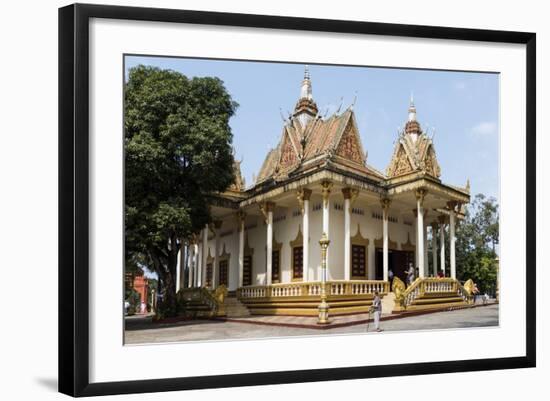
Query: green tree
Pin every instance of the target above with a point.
(476, 239)
(178, 152)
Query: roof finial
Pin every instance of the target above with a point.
(412, 109)
(305, 92)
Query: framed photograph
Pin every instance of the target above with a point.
(252, 199)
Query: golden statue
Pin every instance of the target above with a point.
(398, 288)
(220, 293)
(470, 287)
(399, 292)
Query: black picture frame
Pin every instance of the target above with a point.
(74, 198)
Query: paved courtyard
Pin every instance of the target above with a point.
(140, 330)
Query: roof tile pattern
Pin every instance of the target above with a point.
(325, 139)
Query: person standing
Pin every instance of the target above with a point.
(390, 277)
(377, 309)
(410, 274)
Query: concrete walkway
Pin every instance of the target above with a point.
(141, 331)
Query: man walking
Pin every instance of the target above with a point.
(377, 308)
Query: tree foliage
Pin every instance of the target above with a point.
(477, 237)
(177, 153)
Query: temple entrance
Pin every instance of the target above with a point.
(398, 262)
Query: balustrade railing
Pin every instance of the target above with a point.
(198, 294)
(433, 285)
(313, 289)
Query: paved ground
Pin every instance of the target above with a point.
(140, 330)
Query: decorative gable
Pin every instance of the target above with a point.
(289, 156)
(431, 166)
(349, 146)
(400, 163)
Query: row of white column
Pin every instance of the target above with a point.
(197, 256)
(421, 242)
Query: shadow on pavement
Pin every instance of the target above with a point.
(146, 323)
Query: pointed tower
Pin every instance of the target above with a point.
(414, 151)
(412, 127)
(305, 109)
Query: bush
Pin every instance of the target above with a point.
(134, 299)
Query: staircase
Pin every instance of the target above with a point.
(234, 308)
(388, 302)
(430, 293)
(201, 302)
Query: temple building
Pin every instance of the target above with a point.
(263, 244)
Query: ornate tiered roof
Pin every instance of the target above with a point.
(308, 140)
(414, 151)
(310, 144)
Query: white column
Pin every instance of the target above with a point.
(216, 264)
(305, 246)
(442, 243)
(191, 265)
(420, 230)
(179, 267)
(452, 240)
(269, 249)
(434, 248)
(425, 233)
(198, 252)
(326, 187)
(202, 270)
(347, 237)
(385, 238)
(303, 198)
(240, 221)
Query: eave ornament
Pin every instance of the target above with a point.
(303, 194)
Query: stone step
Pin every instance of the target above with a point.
(388, 303)
(234, 308)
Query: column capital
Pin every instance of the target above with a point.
(266, 207)
(326, 187)
(351, 194)
(420, 194)
(214, 226)
(385, 203)
(452, 205)
(240, 216)
(303, 194)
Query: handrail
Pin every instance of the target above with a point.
(201, 294)
(427, 285)
(313, 289)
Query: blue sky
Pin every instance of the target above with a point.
(462, 108)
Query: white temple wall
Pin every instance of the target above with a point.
(231, 243)
(285, 230)
(315, 233)
(335, 262)
(257, 239)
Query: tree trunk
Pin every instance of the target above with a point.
(167, 280)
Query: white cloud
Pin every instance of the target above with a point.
(485, 128)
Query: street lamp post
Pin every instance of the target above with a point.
(323, 306)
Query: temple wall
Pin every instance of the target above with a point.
(287, 222)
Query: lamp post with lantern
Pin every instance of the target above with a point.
(323, 306)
